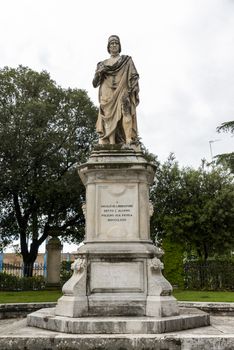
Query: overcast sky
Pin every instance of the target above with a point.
(182, 49)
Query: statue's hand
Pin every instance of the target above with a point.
(99, 75)
(101, 68)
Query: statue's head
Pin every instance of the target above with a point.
(111, 39)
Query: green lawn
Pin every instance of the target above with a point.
(191, 295)
(30, 296)
(53, 295)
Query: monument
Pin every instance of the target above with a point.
(117, 285)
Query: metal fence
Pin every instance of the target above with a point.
(212, 275)
(19, 269)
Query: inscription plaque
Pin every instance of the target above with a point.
(121, 277)
(117, 206)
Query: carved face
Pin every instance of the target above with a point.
(114, 47)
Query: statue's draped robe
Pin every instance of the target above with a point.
(118, 98)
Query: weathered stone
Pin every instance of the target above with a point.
(13, 310)
(47, 319)
(54, 248)
(121, 274)
(15, 335)
(212, 308)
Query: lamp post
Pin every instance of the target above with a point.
(210, 143)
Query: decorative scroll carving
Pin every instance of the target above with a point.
(156, 264)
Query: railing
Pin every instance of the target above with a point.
(15, 277)
(212, 275)
(21, 269)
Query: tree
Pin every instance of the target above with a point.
(226, 127)
(226, 158)
(45, 131)
(194, 207)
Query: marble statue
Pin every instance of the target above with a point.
(117, 79)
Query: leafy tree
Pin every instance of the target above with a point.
(194, 207)
(226, 158)
(227, 127)
(45, 131)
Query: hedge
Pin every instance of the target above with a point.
(16, 283)
(173, 263)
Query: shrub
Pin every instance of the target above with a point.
(14, 283)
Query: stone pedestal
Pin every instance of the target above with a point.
(54, 248)
(117, 285)
(118, 271)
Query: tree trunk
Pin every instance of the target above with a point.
(28, 269)
(29, 259)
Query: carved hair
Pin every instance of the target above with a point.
(113, 37)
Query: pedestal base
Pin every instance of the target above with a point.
(117, 279)
(46, 319)
(117, 286)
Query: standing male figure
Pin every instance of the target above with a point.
(117, 79)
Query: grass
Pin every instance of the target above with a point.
(53, 295)
(30, 296)
(192, 295)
